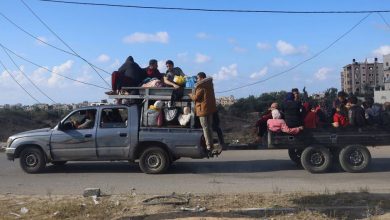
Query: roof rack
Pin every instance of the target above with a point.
(152, 93)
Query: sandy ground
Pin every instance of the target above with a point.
(190, 206)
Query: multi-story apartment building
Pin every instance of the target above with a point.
(386, 71)
(362, 77)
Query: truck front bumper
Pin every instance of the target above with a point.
(10, 152)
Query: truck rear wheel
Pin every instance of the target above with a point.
(154, 160)
(354, 158)
(316, 159)
(295, 155)
(32, 160)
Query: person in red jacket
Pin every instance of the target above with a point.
(340, 118)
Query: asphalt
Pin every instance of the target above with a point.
(268, 171)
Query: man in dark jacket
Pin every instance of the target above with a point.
(133, 71)
(205, 106)
(152, 70)
(129, 74)
(292, 111)
(356, 114)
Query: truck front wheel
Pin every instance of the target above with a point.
(354, 158)
(32, 160)
(154, 160)
(316, 159)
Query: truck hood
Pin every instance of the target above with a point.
(36, 132)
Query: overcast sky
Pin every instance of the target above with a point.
(234, 48)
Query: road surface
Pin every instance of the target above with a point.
(237, 171)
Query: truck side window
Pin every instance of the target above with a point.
(82, 119)
(113, 118)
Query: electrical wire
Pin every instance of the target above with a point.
(384, 20)
(66, 77)
(302, 62)
(46, 43)
(216, 10)
(70, 48)
(5, 68)
(25, 75)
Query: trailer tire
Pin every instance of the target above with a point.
(354, 158)
(295, 155)
(316, 159)
(32, 160)
(154, 160)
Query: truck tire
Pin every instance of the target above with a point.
(59, 163)
(154, 160)
(316, 159)
(32, 160)
(354, 158)
(295, 155)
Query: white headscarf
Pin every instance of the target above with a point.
(275, 114)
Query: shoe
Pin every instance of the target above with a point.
(217, 149)
(111, 93)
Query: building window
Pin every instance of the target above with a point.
(357, 82)
(387, 63)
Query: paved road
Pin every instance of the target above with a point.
(233, 172)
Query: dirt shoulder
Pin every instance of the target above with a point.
(190, 206)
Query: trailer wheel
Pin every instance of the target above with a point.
(154, 160)
(295, 155)
(32, 160)
(354, 158)
(316, 159)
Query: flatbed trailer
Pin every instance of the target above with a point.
(317, 150)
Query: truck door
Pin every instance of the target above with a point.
(75, 138)
(113, 137)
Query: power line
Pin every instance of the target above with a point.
(384, 20)
(66, 77)
(70, 48)
(46, 43)
(27, 76)
(302, 62)
(216, 10)
(5, 68)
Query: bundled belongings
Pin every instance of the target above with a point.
(152, 82)
(185, 118)
(190, 81)
(154, 116)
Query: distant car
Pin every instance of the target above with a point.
(115, 133)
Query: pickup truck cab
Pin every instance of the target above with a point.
(106, 133)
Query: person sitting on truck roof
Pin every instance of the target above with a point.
(341, 99)
(129, 74)
(152, 70)
(171, 73)
(276, 124)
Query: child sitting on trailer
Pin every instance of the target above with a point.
(276, 124)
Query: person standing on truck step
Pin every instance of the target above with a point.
(172, 71)
(205, 106)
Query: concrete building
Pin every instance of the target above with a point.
(386, 71)
(225, 101)
(362, 77)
